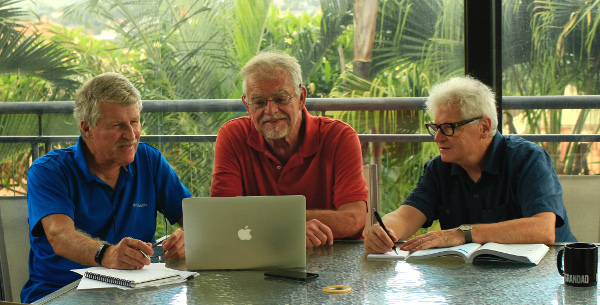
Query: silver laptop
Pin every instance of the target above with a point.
(254, 232)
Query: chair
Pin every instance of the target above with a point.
(372, 177)
(14, 247)
(581, 195)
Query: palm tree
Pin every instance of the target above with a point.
(31, 69)
(564, 55)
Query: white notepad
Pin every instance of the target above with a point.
(152, 275)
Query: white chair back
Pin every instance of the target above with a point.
(581, 195)
(14, 247)
(372, 176)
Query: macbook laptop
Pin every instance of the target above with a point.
(253, 232)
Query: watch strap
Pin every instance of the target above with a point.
(100, 253)
(467, 230)
(468, 236)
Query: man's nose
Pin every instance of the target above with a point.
(439, 136)
(271, 107)
(129, 132)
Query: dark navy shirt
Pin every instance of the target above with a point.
(61, 183)
(518, 181)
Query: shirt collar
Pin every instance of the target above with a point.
(493, 163)
(310, 140)
(82, 164)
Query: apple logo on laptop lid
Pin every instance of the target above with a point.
(244, 234)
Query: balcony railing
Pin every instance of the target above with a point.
(313, 104)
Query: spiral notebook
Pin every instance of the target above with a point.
(131, 278)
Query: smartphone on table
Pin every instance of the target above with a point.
(291, 274)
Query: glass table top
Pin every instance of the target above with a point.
(442, 280)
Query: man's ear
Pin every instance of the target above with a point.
(85, 129)
(303, 94)
(485, 127)
(245, 105)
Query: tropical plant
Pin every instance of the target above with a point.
(180, 57)
(31, 69)
(564, 59)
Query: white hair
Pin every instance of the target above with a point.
(474, 98)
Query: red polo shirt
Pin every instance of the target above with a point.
(326, 168)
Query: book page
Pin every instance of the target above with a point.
(525, 253)
(463, 251)
(390, 255)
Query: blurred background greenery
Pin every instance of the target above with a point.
(193, 49)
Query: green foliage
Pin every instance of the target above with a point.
(194, 49)
(564, 53)
(31, 69)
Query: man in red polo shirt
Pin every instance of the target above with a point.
(280, 149)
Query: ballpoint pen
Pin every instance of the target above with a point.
(384, 228)
(146, 255)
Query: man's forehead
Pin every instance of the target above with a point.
(448, 112)
(115, 112)
(277, 92)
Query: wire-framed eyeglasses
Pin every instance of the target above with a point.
(447, 128)
(261, 103)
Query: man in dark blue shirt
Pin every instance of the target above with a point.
(483, 187)
(95, 203)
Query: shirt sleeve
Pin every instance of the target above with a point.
(426, 194)
(47, 193)
(227, 175)
(538, 188)
(170, 190)
(350, 184)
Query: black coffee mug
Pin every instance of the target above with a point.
(581, 264)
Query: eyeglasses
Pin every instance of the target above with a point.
(260, 104)
(447, 128)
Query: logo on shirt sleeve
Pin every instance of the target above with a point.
(140, 205)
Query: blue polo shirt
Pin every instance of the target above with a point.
(517, 181)
(61, 183)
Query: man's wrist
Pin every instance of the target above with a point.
(100, 253)
(466, 229)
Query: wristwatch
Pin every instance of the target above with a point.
(467, 230)
(100, 253)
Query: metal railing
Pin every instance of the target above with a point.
(313, 104)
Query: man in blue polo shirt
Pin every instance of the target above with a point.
(96, 203)
(483, 187)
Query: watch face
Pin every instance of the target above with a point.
(465, 227)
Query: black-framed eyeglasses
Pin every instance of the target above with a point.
(447, 128)
(261, 103)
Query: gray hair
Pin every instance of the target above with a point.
(474, 98)
(269, 65)
(107, 87)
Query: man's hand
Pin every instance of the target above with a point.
(317, 234)
(174, 246)
(435, 239)
(377, 241)
(126, 254)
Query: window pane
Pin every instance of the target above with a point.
(550, 48)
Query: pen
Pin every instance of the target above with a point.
(160, 241)
(146, 255)
(384, 228)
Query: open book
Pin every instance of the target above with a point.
(524, 253)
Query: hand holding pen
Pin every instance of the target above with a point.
(174, 245)
(380, 221)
